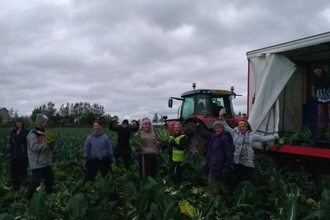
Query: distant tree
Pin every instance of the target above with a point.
(161, 120)
(155, 119)
(13, 115)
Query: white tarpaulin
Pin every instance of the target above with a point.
(273, 71)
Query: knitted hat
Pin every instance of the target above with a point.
(41, 119)
(217, 124)
(125, 122)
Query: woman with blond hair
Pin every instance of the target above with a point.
(244, 139)
(149, 149)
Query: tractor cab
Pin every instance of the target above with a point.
(204, 104)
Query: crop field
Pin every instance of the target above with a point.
(123, 195)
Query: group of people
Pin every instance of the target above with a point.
(30, 147)
(232, 146)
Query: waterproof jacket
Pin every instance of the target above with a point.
(220, 151)
(97, 146)
(244, 153)
(124, 134)
(39, 153)
(18, 143)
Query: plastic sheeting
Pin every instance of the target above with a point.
(271, 74)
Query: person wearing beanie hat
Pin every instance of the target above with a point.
(321, 83)
(149, 150)
(40, 154)
(243, 141)
(41, 119)
(18, 153)
(220, 153)
(124, 132)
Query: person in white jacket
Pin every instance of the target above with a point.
(40, 155)
(244, 154)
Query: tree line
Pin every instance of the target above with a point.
(72, 114)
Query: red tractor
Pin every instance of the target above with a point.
(204, 104)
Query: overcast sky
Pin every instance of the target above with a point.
(130, 56)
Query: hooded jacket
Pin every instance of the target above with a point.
(124, 134)
(97, 146)
(220, 151)
(18, 143)
(39, 153)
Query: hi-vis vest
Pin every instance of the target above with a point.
(177, 155)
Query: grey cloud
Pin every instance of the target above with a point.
(130, 56)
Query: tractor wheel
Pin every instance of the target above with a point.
(196, 142)
(266, 159)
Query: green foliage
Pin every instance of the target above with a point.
(124, 195)
(38, 208)
(163, 135)
(78, 206)
(136, 140)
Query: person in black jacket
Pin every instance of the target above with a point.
(123, 149)
(321, 83)
(18, 153)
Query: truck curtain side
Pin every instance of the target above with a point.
(280, 93)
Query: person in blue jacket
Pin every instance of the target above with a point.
(18, 154)
(220, 152)
(98, 154)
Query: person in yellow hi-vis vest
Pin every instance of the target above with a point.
(178, 144)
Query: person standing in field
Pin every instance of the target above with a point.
(178, 144)
(321, 83)
(123, 149)
(220, 153)
(98, 154)
(40, 154)
(18, 154)
(244, 140)
(149, 149)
